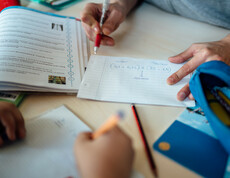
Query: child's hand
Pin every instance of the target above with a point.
(110, 155)
(12, 121)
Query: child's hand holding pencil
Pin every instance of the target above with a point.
(107, 152)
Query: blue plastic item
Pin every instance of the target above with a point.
(209, 76)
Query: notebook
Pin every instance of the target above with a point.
(41, 51)
(131, 80)
(47, 150)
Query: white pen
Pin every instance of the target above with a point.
(104, 10)
(98, 37)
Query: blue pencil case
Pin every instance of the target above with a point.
(210, 86)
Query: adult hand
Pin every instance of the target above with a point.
(110, 155)
(115, 15)
(12, 120)
(199, 53)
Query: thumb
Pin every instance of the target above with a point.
(83, 137)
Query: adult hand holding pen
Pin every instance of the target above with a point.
(199, 53)
(117, 12)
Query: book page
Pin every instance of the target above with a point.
(131, 80)
(38, 49)
(47, 150)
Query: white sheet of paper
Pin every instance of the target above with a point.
(47, 150)
(130, 80)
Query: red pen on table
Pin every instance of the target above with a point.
(8, 3)
(99, 35)
(144, 140)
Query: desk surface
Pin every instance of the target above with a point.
(147, 33)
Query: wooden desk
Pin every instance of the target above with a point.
(147, 33)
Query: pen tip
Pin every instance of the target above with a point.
(95, 50)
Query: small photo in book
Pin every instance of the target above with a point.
(57, 80)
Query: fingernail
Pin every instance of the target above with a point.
(96, 30)
(170, 80)
(106, 31)
(109, 43)
(182, 96)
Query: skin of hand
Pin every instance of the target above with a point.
(116, 14)
(199, 53)
(110, 155)
(12, 120)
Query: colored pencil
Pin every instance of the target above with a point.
(144, 140)
(109, 124)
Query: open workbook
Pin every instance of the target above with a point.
(41, 51)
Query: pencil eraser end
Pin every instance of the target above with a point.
(121, 114)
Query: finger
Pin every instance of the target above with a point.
(108, 41)
(182, 57)
(186, 69)
(20, 124)
(9, 123)
(113, 21)
(81, 140)
(183, 93)
(91, 22)
(113, 131)
(1, 141)
(117, 130)
(190, 96)
(116, 134)
(83, 137)
(89, 32)
(91, 16)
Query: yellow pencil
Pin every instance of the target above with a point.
(111, 122)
